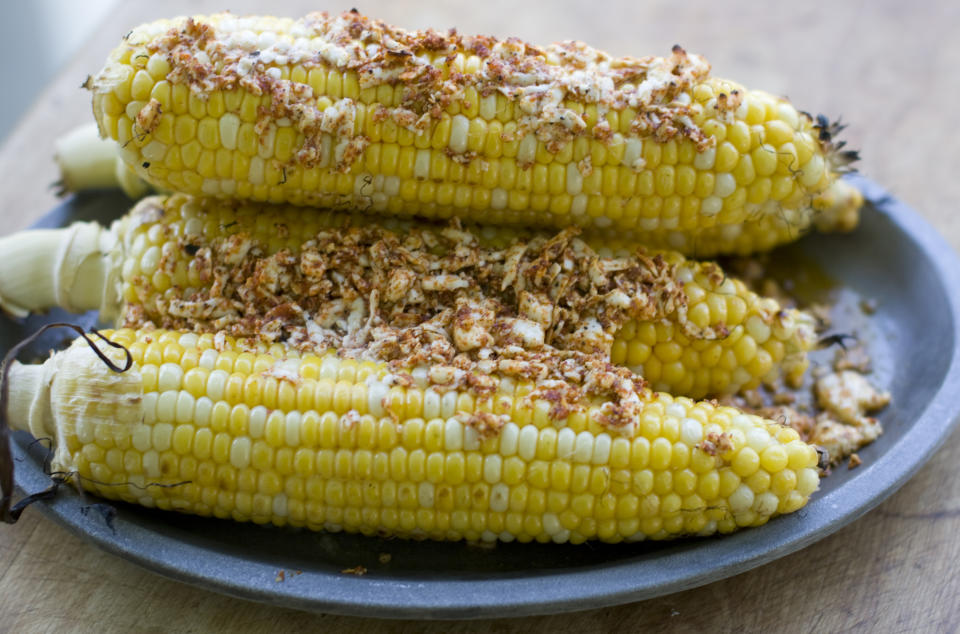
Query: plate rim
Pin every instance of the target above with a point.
(524, 594)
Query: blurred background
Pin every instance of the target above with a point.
(37, 39)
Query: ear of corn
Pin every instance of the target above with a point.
(87, 161)
(73, 268)
(204, 425)
(724, 338)
(836, 209)
(345, 111)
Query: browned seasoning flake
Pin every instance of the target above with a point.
(852, 358)
(359, 571)
(149, 117)
(548, 85)
(545, 308)
(715, 444)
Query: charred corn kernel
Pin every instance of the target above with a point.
(259, 465)
(751, 336)
(576, 160)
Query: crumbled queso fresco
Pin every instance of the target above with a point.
(544, 309)
(222, 52)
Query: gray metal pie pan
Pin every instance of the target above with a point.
(895, 257)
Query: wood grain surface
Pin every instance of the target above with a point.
(888, 68)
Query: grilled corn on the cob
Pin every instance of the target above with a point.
(207, 425)
(344, 110)
(190, 263)
(87, 161)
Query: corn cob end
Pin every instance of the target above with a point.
(838, 208)
(87, 161)
(73, 267)
(496, 131)
(261, 434)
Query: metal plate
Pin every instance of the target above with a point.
(894, 258)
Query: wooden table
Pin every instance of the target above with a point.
(889, 68)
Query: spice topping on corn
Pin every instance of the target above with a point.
(538, 80)
(332, 111)
(545, 309)
(316, 280)
(206, 264)
(353, 287)
(201, 424)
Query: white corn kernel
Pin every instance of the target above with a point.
(574, 180)
(376, 393)
(229, 127)
(448, 404)
(431, 404)
(566, 439)
(741, 499)
(492, 468)
(208, 359)
(425, 495)
(758, 439)
(459, 127)
(807, 481)
(471, 438)
(527, 445)
(724, 185)
(766, 504)
(240, 452)
(499, 497)
(421, 165)
(705, 160)
(188, 339)
(453, 435)
(140, 438)
(583, 450)
(292, 429)
(257, 421)
(167, 406)
(601, 449)
(216, 384)
(161, 436)
(691, 432)
(509, 439)
(149, 404)
(280, 505)
(498, 198)
(551, 524)
(186, 406)
(676, 410)
(151, 466)
(527, 149)
(488, 106)
(711, 206)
